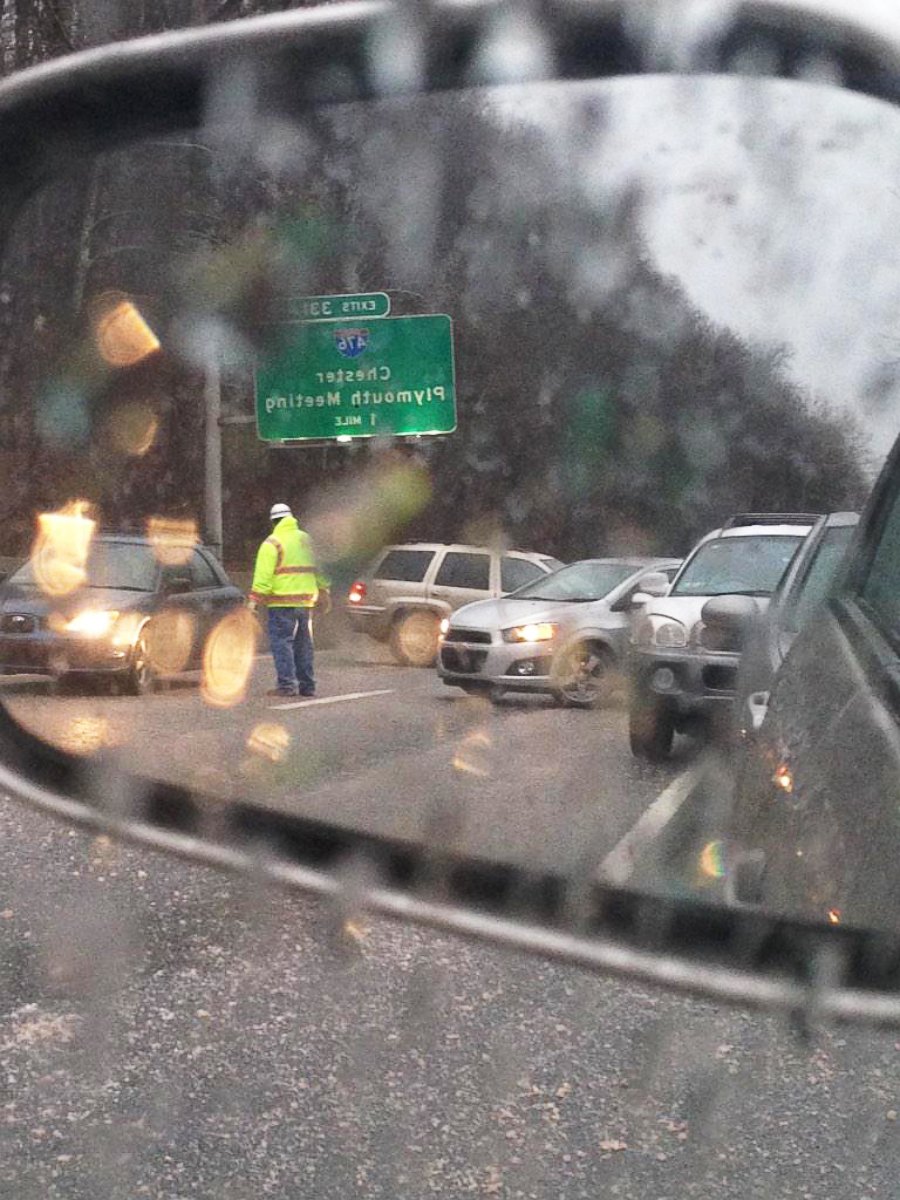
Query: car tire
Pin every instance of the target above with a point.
(651, 728)
(414, 638)
(583, 675)
(139, 679)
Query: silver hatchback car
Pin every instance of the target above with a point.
(563, 634)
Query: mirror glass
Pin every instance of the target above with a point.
(503, 355)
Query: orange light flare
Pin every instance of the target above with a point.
(169, 639)
(834, 916)
(269, 740)
(783, 778)
(60, 551)
(472, 755)
(122, 335)
(85, 734)
(173, 539)
(228, 659)
(132, 428)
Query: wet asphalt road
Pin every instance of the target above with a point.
(387, 749)
(169, 1031)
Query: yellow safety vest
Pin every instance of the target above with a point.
(286, 575)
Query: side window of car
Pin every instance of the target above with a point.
(202, 573)
(462, 570)
(880, 591)
(516, 572)
(407, 566)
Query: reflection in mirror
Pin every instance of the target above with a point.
(464, 340)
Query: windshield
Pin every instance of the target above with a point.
(124, 566)
(816, 584)
(579, 581)
(750, 566)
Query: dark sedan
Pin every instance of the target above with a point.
(135, 619)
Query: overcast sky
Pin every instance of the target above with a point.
(782, 222)
(775, 204)
(779, 212)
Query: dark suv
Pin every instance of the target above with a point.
(797, 599)
(815, 823)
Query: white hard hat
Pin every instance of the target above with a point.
(277, 511)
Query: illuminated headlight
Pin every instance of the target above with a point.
(541, 632)
(445, 627)
(92, 623)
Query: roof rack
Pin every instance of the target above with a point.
(771, 518)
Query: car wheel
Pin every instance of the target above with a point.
(651, 729)
(582, 676)
(414, 638)
(139, 678)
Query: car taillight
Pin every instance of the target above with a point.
(357, 593)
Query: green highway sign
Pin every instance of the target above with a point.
(335, 379)
(327, 308)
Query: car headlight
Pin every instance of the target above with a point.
(659, 631)
(541, 631)
(444, 627)
(93, 622)
(670, 633)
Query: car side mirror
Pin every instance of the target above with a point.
(630, 602)
(654, 585)
(177, 585)
(731, 618)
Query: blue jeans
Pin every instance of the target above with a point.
(290, 640)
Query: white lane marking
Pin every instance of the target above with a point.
(334, 699)
(618, 865)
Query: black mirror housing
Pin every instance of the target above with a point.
(52, 116)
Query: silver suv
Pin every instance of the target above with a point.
(409, 589)
(684, 659)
